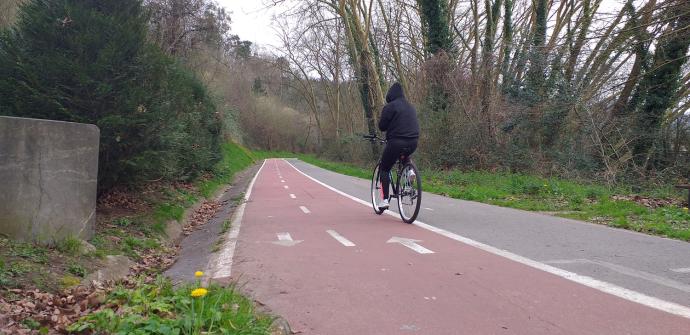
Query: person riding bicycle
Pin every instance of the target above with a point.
(399, 121)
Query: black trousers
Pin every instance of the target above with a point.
(395, 148)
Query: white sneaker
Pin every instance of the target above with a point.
(384, 205)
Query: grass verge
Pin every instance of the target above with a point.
(617, 207)
(160, 308)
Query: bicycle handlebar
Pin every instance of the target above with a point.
(373, 138)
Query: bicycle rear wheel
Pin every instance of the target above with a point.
(409, 193)
(376, 191)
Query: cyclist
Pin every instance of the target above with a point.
(399, 121)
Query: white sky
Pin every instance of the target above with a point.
(251, 21)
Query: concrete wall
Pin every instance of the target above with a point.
(48, 174)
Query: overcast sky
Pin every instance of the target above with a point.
(251, 21)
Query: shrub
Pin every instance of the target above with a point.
(89, 61)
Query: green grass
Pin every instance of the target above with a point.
(70, 245)
(566, 198)
(225, 227)
(76, 269)
(235, 158)
(160, 308)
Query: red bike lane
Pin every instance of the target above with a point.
(330, 266)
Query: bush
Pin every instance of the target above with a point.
(88, 61)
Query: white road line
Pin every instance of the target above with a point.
(429, 209)
(629, 272)
(340, 238)
(285, 186)
(410, 243)
(603, 286)
(305, 209)
(293, 196)
(221, 265)
(681, 270)
(282, 181)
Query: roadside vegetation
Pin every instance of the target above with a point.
(159, 308)
(130, 222)
(655, 209)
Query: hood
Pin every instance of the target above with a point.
(395, 92)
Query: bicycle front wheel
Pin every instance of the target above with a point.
(376, 191)
(409, 193)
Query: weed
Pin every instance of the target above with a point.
(70, 246)
(77, 270)
(238, 199)
(123, 222)
(31, 323)
(158, 227)
(5, 276)
(218, 245)
(167, 211)
(225, 227)
(161, 308)
(34, 253)
(19, 268)
(98, 241)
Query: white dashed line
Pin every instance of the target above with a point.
(681, 270)
(305, 209)
(340, 238)
(600, 285)
(293, 196)
(285, 186)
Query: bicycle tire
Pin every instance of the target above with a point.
(376, 191)
(404, 192)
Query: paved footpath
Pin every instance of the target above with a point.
(330, 266)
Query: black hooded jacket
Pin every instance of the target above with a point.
(398, 118)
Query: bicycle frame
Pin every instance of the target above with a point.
(400, 188)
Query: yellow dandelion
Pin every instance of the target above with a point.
(199, 292)
(198, 274)
(685, 209)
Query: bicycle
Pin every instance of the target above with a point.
(406, 186)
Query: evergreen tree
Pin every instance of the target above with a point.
(662, 81)
(434, 14)
(88, 61)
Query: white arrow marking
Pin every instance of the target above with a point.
(410, 243)
(293, 196)
(285, 240)
(304, 209)
(286, 187)
(340, 238)
(681, 270)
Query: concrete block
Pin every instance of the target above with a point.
(48, 176)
